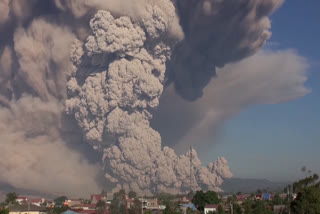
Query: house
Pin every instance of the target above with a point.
(21, 200)
(284, 195)
(50, 204)
(130, 202)
(83, 207)
(184, 207)
(266, 196)
(241, 198)
(184, 199)
(258, 196)
(71, 202)
(37, 201)
(150, 204)
(211, 208)
(26, 209)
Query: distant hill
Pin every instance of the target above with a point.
(244, 185)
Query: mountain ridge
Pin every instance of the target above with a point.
(251, 185)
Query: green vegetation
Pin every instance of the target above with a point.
(171, 203)
(220, 209)
(132, 194)
(306, 202)
(60, 200)
(100, 207)
(308, 198)
(191, 211)
(118, 203)
(4, 210)
(137, 206)
(236, 209)
(11, 198)
(59, 209)
(201, 199)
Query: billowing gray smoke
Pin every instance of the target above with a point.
(112, 103)
(64, 78)
(217, 32)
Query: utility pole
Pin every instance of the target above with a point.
(142, 205)
(190, 168)
(28, 206)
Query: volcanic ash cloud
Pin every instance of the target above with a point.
(118, 81)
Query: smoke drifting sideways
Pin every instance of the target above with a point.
(216, 32)
(111, 85)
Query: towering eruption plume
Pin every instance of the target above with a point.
(112, 102)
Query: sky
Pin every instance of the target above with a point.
(275, 141)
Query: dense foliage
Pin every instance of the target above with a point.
(101, 207)
(136, 208)
(118, 203)
(11, 198)
(201, 199)
(308, 198)
(60, 200)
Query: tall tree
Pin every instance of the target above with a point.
(260, 207)
(136, 208)
(191, 211)
(100, 207)
(104, 193)
(118, 203)
(220, 209)
(11, 198)
(277, 200)
(170, 201)
(132, 194)
(201, 199)
(237, 209)
(248, 206)
(308, 198)
(232, 199)
(60, 200)
(4, 210)
(59, 209)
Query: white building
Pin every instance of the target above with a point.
(21, 200)
(211, 208)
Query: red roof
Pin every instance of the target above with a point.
(35, 200)
(22, 197)
(242, 197)
(212, 206)
(84, 205)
